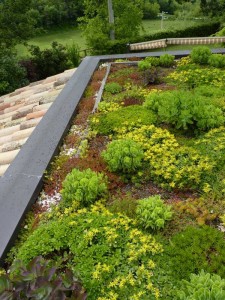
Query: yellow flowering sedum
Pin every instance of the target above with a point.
(170, 164)
(112, 258)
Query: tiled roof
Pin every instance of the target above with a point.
(22, 110)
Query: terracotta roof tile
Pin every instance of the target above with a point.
(22, 110)
(36, 114)
(7, 157)
(12, 145)
(29, 123)
(3, 106)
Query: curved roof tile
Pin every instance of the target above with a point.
(22, 110)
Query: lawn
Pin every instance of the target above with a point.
(138, 188)
(68, 35)
(151, 26)
(65, 36)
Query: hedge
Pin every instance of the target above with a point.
(121, 46)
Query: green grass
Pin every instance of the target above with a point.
(152, 26)
(65, 36)
(68, 35)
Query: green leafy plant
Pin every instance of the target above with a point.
(39, 280)
(154, 61)
(185, 110)
(123, 156)
(91, 236)
(151, 76)
(148, 62)
(196, 249)
(152, 213)
(166, 60)
(144, 65)
(132, 115)
(202, 286)
(200, 55)
(83, 186)
(217, 60)
(113, 87)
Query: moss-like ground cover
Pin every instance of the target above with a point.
(139, 185)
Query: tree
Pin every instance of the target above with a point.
(16, 22)
(12, 75)
(168, 5)
(57, 12)
(212, 7)
(95, 23)
(151, 9)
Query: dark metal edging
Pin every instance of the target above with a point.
(22, 182)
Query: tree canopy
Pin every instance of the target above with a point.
(95, 23)
(16, 21)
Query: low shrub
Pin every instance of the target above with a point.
(144, 65)
(202, 286)
(113, 88)
(132, 115)
(49, 61)
(73, 52)
(200, 55)
(92, 237)
(83, 186)
(185, 110)
(31, 69)
(154, 61)
(39, 280)
(196, 249)
(152, 213)
(124, 156)
(217, 60)
(166, 60)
